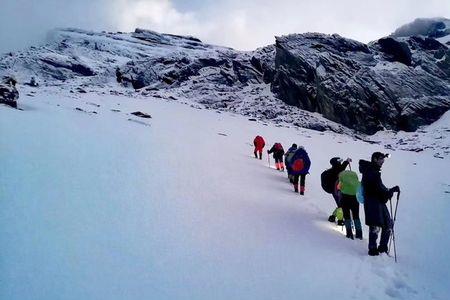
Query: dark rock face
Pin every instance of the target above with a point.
(73, 66)
(395, 50)
(141, 115)
(8, 93)
(364, 87)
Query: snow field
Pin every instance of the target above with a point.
(94, 206)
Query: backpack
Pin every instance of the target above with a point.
(328, 180)
(288, 157)
(360, 194)
(300, 162)
(278, 147)
(349, 182)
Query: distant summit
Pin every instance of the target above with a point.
(429, 27)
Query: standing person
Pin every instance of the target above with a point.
(348, 185)
(278, 152)
(287, 157)
(376, 196)
(329, 181)
(299, 165)
(259, 144)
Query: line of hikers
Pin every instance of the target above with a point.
(347, 191)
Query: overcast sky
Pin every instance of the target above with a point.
(240, 24)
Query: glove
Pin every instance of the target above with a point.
(395, 189)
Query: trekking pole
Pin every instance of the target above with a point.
(392, 225)
(392, 239)
(395, 217)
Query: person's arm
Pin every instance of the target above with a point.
(384, 193)
(343, 166)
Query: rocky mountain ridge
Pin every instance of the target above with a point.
(396, 83)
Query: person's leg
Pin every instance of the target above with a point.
(277, 162)
(385, 231)
(345, 202)
(260, 153)
(356, 220)
(373, 236)
(295, 183)
(332, 218)
(337, 198)
(254, 152)
(302, 184)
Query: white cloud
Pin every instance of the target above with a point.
(240, 24)
(159, 15)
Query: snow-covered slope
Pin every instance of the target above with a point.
(97, 203)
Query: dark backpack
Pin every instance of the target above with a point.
(328, 180)
(278, 147)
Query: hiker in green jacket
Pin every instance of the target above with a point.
(348, 186)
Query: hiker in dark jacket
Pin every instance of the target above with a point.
(278, 152)
(376, 195)
(259, 144)
(299, 164)
(337, 166)
(287, 156)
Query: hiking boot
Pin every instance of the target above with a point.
(340, 222)
(302, 193)
(382, 249)
(373, 252)
(332, 218)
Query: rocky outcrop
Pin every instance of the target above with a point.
(8, 92)
(393, 83)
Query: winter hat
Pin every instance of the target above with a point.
(378, 155)
(335, 161)
(294, 146)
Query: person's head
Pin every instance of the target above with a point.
(335, 161)
(294, 146)
(378, 158)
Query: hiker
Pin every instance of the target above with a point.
(299, 164)
(278, 152)
(376, 195)
(259, 144)
(329, 181)
(287, 156)
(348, 186)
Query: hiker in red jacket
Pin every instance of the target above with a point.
(259, 145)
